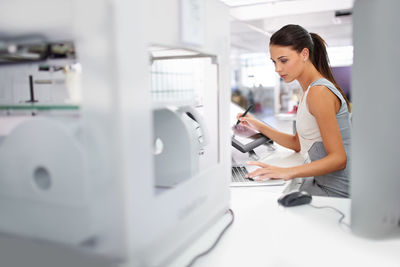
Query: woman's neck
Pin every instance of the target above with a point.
(309, 75)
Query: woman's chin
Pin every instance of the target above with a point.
(288, 79)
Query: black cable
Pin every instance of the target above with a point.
(335, 209)
(215, 242)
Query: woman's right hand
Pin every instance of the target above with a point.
(249, 121)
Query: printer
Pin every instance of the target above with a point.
(180, 136)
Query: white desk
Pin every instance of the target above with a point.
(266, 234)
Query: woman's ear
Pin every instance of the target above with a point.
(305, 54)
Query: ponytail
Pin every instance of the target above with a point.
(320, 59)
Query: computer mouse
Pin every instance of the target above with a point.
(295, 198)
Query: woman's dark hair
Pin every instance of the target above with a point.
(299, 38)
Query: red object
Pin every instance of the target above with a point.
(258, 107)
(294, 110)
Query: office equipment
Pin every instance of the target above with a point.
(247, 144)
(30, 171)
(375, 183)
(245, 139)
(239, 174)
(183, 140)
(295, 198)
(109, 205)
(241, 154)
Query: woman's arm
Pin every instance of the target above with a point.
(286, 140)
(323, 105)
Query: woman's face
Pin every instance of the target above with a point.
(289, 63)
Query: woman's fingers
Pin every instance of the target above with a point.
(258, 163)
(243, 120)
(263, 174)
(259, 172)
(269, 172)
(239, 116)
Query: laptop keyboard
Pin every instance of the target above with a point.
(239, 174)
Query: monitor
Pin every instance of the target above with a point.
(375, 183)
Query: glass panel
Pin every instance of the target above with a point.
(46, 78)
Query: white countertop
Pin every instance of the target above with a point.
(266, 234)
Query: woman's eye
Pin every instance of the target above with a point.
(284, 60)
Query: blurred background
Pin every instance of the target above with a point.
(253, 78)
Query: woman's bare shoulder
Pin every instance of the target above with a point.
(320, 96)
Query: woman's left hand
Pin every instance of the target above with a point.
(269, 172)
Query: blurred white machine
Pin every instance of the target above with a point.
(180, 137)
(85, 176)
(44, 181)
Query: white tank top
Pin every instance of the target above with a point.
(306, 125)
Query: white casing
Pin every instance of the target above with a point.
(112, 39)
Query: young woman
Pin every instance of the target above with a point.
(323, 126)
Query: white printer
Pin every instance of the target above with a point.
(180, 136)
